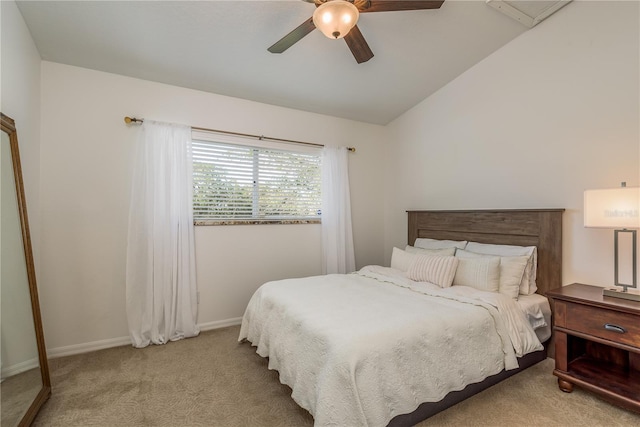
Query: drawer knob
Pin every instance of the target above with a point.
(614, 328)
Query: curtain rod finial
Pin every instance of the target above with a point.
(129, 120)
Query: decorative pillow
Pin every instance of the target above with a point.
(528, 282)
(439, 244)
(482, 273)
(401, 260)
(441, 252)
(435, 269)
(511, 271)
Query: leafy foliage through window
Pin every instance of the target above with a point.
(237, 182)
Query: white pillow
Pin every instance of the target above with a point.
(528, 282)
(439, 244)
(401, 260)
(438, 270)
(482, 273)
(441, 252)
(511, 271)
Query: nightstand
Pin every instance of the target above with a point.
(597, 343)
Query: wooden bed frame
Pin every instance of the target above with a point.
(523, 227)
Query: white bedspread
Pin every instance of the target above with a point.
(359, 349)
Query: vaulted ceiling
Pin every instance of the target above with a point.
(221, 47)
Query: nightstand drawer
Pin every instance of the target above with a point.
(607, 324)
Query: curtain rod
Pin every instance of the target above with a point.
(129, 120)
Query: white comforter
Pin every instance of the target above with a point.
(361, 348)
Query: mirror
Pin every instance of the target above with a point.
(24, 373)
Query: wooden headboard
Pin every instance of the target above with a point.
(522, 227)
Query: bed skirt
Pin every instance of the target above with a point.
(429, 409)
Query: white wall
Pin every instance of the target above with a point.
(547, 116)
(86, 167)
(20, 100)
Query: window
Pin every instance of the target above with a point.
(247, 184)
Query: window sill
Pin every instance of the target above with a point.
(255, 222)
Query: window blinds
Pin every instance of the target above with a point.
(238, 182)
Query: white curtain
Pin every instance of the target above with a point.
(161, 280)
(337, 237)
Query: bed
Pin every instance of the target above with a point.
(369, 348)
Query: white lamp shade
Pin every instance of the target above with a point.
(612, 208)
(335, 18)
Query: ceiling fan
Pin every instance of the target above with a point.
(338, 18)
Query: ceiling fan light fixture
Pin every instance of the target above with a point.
(335, 18)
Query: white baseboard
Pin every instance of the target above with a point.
(70, 350)
(18, 368)
(217, 324)
(117, 342)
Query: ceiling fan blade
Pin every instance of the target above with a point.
(358, 45)
(293, 37)
(392, 5)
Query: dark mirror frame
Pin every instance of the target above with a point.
(8, 126)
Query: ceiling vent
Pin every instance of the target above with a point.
(528, 12)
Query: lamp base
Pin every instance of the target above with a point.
(632, 294)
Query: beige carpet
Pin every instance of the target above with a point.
(16, 394)
(212, 380)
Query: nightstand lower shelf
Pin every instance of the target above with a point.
(622, 384)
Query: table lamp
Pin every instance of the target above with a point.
(616, 208)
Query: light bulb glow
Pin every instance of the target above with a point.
(335, 18)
